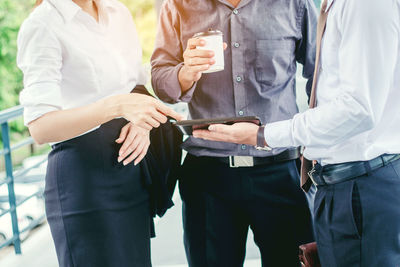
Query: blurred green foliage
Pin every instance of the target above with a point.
(12, 13)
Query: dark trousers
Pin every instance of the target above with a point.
(358, 222)
(221, 203)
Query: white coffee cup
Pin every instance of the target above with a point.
(214, 42)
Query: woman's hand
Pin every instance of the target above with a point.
(238, 133)
(142, 110)
(136, 142)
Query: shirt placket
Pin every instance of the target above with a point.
(238, 66)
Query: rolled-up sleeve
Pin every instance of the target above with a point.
(40, 59)
(167, 59)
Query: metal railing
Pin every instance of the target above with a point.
(6, 117)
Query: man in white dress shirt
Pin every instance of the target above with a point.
(353, 133)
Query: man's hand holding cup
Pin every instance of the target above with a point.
(199, 57)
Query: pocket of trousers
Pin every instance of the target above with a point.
(345, 215)
(357, 209)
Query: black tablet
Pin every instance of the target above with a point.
(188, 126)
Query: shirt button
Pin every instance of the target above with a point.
(238, 79)
(244, 147)
(236, 45)
(241, 113)
(235, 12)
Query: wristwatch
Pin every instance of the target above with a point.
(261, 144)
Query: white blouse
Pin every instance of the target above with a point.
(70, 60)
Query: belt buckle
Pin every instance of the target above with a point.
(310, 174)
(241, 161)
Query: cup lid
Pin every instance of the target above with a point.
(210, 32)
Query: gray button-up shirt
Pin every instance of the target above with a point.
(265, 40)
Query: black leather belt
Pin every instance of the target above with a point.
(244, 161)
(338, 173)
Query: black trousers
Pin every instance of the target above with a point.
(221, 203)
(358, 222)
(97, 209)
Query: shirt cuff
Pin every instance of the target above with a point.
(187, 96)
(279, 134)
(35, 112)
(39, 99)
(170, 89)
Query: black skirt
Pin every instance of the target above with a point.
(97, 209)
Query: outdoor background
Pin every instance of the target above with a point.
(38, 249)
(12, 14)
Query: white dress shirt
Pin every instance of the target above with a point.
(71, 60)
(358, 93)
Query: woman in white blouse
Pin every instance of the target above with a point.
(81, 59)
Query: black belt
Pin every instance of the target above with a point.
(338, 173)
(247, 161)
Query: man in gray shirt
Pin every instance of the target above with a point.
(227, 188)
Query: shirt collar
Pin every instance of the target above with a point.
(68, 9)
(241, 4)
(106, 3)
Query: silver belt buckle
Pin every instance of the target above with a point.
(241, 161)
(310, 174)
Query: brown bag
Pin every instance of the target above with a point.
(308, 255)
